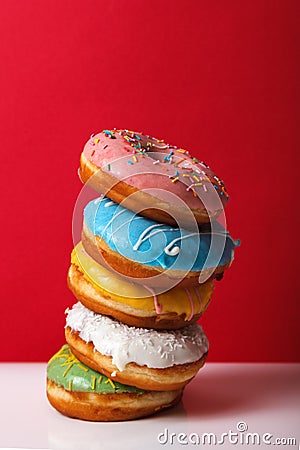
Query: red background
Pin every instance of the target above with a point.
(220, 78)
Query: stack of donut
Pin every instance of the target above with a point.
(143, 274)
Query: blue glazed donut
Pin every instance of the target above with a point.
(141, 248)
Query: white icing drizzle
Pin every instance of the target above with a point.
(98, 200)
(148, 233)
(111, 203)
(107, 204)
(143, 236)
(173, 252)
(168, 249)
(145, 347)
(112, 219)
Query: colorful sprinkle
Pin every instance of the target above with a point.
(109, 134)
(110, 382)
(204, 164)
(168, 157)
(179, 161)
(157, 306)
(67, 369)
(82, 367)
(136, 143)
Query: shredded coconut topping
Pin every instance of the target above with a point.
(145, 347)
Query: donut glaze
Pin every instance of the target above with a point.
(171, 309)
(157, 245)
(144, 347)
(76, 390)
(67, 371)
(148, 164)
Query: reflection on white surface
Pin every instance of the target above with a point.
(70, 434)
(265, 397)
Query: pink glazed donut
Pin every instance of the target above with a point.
(152, 178)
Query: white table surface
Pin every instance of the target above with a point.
(265, 397)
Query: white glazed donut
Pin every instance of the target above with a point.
(148, 359)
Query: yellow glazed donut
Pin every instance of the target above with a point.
(107, 293)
